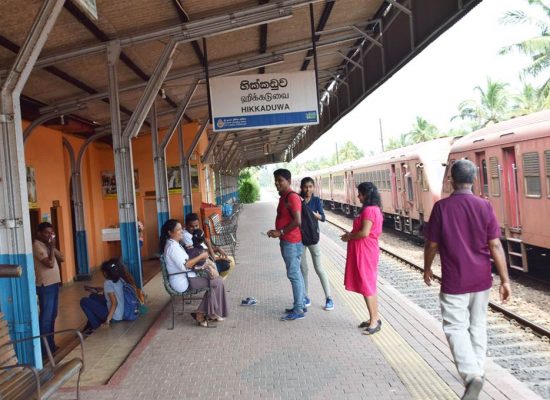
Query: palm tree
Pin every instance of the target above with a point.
(422, 131)
(529, 100)
(397, 142)
(492, 106)
(538, 48)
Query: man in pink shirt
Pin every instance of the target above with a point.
(464, 229)
(287, 229)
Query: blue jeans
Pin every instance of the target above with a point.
(292, 255)
(48, 299)
(95, 308)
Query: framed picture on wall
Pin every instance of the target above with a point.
(108, 184)
(174, 179)
(194, 172)
(31, 187)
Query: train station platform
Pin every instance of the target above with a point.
(252, 354)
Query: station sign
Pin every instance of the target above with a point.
(264, 101)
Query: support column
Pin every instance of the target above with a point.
(18, 295)
(185, 176)
(159, 156)
(161, 178)
(124, 171)
(81, 243)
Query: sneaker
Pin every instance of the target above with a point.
(292, 316)
(249, 301)
(473, 388)
(329, 305)
(291, 310)
(307, 301)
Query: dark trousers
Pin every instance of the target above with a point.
(48, 299)
(95, 308)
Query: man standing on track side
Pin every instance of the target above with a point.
(464, 229)
(287, 229)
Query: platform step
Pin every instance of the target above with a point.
(516, 267)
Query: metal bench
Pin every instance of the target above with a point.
(23, 381)
(188, 295)
(222, 235)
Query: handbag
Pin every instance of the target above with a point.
(222, 264)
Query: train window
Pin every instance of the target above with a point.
(485, 178)
(495, 176)
(531, 174)
(410, 188)
(388, 179)
(547, 162)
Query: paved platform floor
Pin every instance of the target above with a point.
(253, 355)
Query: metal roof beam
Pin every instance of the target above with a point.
(222, 68)
(193, 30)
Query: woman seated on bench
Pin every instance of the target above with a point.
(179, 267)
(109, 306)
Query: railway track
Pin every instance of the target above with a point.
(526, 324)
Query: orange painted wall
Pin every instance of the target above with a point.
(53, 176)
(44, 152)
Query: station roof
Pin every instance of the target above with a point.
(359, 44)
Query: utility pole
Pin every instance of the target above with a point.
(337, 158)
(381, 134)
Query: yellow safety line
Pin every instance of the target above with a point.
(417, 375)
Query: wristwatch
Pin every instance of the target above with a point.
(281, 232)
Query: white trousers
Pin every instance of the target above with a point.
(465, 325)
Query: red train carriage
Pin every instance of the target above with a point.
(513, 160)
(409, 180)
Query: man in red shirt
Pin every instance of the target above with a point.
(287, 229)
(464, 229)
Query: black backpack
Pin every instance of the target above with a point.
(310, 225)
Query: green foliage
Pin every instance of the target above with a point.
(538, 47)
(346, 152)
(491, 106)
(249, 191)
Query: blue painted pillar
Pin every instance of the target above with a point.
(81, 248)
(124, 170)
(18, 295)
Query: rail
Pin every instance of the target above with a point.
(525, 323)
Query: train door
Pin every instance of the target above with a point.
(350, 185)
(511, 195)
(394, 188)
(482, 189)
(420, 187)
(404, 187)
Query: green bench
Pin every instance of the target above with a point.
(188, 295)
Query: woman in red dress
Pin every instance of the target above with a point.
(363, 252)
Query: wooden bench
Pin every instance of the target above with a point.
(23, 381)
(188, 295)
(222, 235)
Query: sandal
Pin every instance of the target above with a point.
(203, 322)
(372, 331)
(366, 324)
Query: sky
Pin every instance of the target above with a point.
(435, 81)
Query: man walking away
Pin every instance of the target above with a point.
(46, 269)
(287, 229)
(464, 229)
